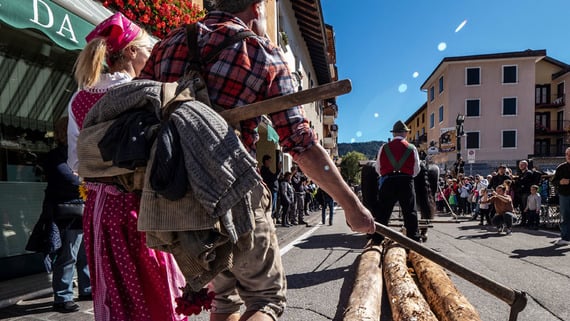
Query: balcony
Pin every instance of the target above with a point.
(551, 128)
(548, 150)
(329, 142)
(328, 119)
(550, 102)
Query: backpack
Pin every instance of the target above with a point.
(96, 128)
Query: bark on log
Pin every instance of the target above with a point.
(364, 303)
(406, 300)
(444, 298)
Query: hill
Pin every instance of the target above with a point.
(370, 149)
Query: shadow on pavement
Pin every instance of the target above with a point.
(349, 241)
(548, 251)
(303, 280)
(19, 310)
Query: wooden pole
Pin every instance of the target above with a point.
(406, 300)
(365, 301)
(272, 105)
(444, 298)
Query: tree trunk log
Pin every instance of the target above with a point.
(444, 298)
(364, 303)
(406, 300)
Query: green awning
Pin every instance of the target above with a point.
(65, 28)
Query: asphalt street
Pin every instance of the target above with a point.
(320, 265)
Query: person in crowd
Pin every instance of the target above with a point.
(298, 180)
(130, 281)
(251, 70)
(523, 182)
(464, 193)
(500, 177)
(484, 207)
(532, 208)
(287, 198)
(397, 164)
(481, 184)
(63, 204)
(561, 180)
(504, 211)
(326, 201)
(271, 181)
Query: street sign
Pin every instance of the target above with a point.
(470, 156)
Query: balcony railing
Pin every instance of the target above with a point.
(554, 127)
(550, 102)
(550, 150)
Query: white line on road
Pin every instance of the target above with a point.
(289, 246)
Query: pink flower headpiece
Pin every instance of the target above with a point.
(118, 30)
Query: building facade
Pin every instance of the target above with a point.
(487, 108)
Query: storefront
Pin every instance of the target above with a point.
(39, 42)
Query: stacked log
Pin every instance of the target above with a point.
(431, 296)
(444, 298)
(406, 301)
(364, 303)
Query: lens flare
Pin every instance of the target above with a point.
(402, 88)
(376, 115)
(461, 25)
(416, 74)
(442, 46)
(358, 134)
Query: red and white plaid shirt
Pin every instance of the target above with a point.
(246, 72)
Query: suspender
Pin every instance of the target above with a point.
(397, 165)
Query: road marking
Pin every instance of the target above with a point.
(289, 246)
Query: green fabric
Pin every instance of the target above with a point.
(398, 164)
(272, 135)
(65, 28)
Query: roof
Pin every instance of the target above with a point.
(416, 113)
(311, 24)
(505, 55)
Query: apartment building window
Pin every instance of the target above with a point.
(473, 76)
(431, 93)
(473, 108)
(440, 84)
(542, 93)
(431, 120)
(509, 106)
(440, 114)
(510, 74)
(509, 138)
(418, 122)
(560, 120)
(423, 118)
(472, 140)
(542, 147)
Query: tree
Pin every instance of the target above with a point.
(350, 167)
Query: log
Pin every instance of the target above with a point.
(406, 300)
(364, 303)
(445, 299)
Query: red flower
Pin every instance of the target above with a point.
(159, 17)
(194, 302)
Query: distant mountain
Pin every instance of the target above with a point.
(370, 149)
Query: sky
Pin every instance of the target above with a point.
(388, 48)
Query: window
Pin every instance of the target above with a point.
(472, 140)
(418, 122)
(431, 93)
(431, 120)
(440, 84)
(473, 76)
(560, 90)
(440, 114)
(542, 93)
(473, 108)
(509, 74)
(509, 139)
(509, 106)
(542, 147)
(423, 118)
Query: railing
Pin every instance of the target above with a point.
(549, 150)
(552, 101)
(554, 127)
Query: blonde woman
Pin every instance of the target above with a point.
(129, 280)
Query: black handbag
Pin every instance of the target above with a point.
(68, 211)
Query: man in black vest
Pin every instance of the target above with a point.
(398, 163)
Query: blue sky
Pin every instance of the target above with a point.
(380, 44)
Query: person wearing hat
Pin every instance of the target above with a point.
(397, 164)
(248, 71)
(129, 280)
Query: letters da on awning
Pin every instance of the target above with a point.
(63, 27)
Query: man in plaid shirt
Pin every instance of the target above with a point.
(249, 71)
